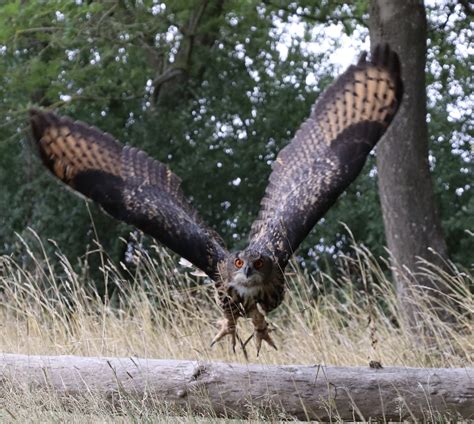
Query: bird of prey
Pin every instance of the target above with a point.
(326, 154)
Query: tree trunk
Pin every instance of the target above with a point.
(410, 213)
(170, 85)
(305, 392)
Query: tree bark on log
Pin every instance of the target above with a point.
(317, 392)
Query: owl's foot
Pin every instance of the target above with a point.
(229, 328)
(262, 334)
(261, 330)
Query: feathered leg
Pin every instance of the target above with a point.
(228, 327)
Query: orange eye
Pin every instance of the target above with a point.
(239, 263)
(258, 264)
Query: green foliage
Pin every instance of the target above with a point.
(219, 124)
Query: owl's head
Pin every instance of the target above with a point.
(249, 268)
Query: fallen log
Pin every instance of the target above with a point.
(316, 392)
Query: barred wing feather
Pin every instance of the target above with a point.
(127, 184)
(327, 152)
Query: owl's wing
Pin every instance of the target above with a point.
(327, 152)
(127, 184)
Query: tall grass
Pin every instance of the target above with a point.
(160, 312)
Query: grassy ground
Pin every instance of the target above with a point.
(347, 321)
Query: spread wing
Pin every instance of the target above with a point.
(127, 184)
(327, 152)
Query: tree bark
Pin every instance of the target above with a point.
(305, 392)
(410, 213)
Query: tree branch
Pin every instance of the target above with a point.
(237, 390)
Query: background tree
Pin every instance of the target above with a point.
(410, 211)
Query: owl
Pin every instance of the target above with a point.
(326, 154)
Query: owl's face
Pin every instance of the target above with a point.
(249, 268)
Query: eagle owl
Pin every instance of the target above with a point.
(324, 157)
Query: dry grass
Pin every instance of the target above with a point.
(161, 315)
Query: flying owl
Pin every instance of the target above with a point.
(324, 157)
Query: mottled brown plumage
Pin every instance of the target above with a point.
(327, 153)
(325, 156)
(128, 184)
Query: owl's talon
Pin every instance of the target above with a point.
(261, 328)
(248, 339)
(263, 334)
(227, 328)
(242, 345)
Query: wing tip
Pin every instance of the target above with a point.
(362, 58)
(383, 55)
(39, 121)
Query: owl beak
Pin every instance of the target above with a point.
(247, 271)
